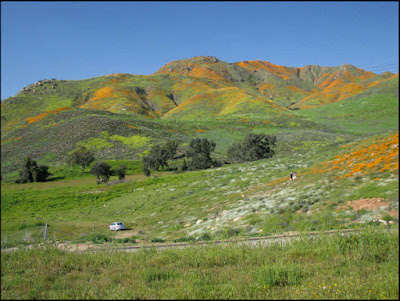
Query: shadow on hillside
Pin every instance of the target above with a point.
(55, 179)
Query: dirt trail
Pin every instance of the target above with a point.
(263, 241)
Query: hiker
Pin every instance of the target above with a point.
(292, 176)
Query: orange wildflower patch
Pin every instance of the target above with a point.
(117, 77)
(104, 92)
(266, 89)
(278, 181)
(373, 83)
(297, 89)
(281, 71)
(10, 125)
(348, 76)
(364, 75)
(131, 126)
(328, 81)
(335, 91)
(196, 70)
(199, 71)
(379, 156)
(200, 130)
(8, 140)
(112, 98)
(45, 114)
(349, 90)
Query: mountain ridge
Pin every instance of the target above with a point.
(171, 85)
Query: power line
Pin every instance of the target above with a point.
(386, 69)
(379, 66)
(383, 68)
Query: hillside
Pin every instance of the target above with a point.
(373, 110)
(179, 81)
(120, 116)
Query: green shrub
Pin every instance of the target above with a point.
(253, 147)
(146, 165)
(279, 274)
(156, 274)
(158, 240)
(158, 156)
(121, 171)
(95, 238)
(199, 151)
(125, 240)
(204, 236)
(32, 172)
(80, 156)
(102, 170)
(185, 239)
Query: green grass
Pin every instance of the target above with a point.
(358, 266)
(172, 206)
(374, 110)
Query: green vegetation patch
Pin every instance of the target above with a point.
(361, 265)
(95, 144)
(135, 141)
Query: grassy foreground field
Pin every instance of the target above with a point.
(233, 200)
(363, 265)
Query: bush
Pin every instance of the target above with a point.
(158, 156)
(204, 236)
(121, 171)
(184, 166)
(199, 151)
(216, 162)
(81, 156)
(95, 238)
(170, 148)
(158, 240)
(40, 173)
(184, 239)
(146, 166)
(125, 240)
(102, 170)
(253, 147)
(278, 274)
(31, 172)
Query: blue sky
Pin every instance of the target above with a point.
(78, 40)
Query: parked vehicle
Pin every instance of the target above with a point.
(117, 226)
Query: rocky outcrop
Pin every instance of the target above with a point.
(48, 83)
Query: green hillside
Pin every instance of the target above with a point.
(371, 111)
(50, 118)
(239, 199)
(345, 151)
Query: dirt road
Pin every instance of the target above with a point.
(254, 241)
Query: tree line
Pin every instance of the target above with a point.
(198, 153)
(196, 156)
